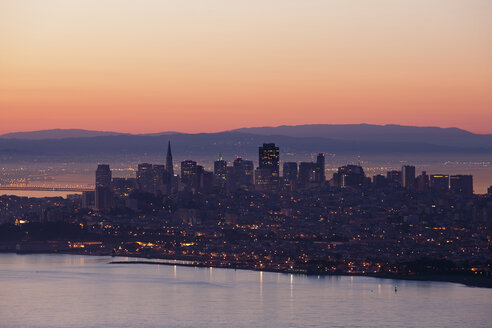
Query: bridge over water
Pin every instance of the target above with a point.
(40, 188)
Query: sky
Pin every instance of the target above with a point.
(211, 65)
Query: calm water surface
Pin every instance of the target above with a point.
(78, 291)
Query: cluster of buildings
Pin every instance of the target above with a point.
(160, 179)
(288, 218)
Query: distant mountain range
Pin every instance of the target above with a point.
(301, 139)
(58, 134)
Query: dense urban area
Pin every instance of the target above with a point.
(399, 225)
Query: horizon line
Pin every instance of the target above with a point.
(234, 129)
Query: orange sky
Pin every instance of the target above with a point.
(210, 65)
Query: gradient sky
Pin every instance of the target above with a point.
(209, 65)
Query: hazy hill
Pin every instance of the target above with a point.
(82, 145)
(397, 133)
(58, 134)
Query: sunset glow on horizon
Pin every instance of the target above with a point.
(213, 65)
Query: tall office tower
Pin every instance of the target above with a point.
(289, 177)
(422, 182)
(88, 199)
(379, 181)
(290, 171)
(207, 181)
(307, 173)
(249, 171)
(220, 173)
(408, 177)
(189, 173)
(103, 196)
(269, 165)
(320, 168)
(461, 184)
(122, 187)
(439, 182)
(242, 174)
(145, 177)
(350, 176)
(169, 160)
(489, 191)
(160, 178)
(394, 177)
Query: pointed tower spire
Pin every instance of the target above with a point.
(169, 160)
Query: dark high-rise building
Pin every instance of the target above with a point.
(408, 177)
(269, 167)
(103, 196)
(88, 199)
(242, 174)
(439, 182)
(379, 181)
(307, 173)
(394, 177)
(160, 178)
(170, 181)
(422, 182)
(489, 191)
(269, 156)
(103, 176)
(290, 175)
(350, 176)
(122, 187)
(461, 184)
(207, 181)
(169, 160)
(220, 173)
(320, 168)
(145, 177)
(189, 173)
(290, 171)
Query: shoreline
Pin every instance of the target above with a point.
(466, 280)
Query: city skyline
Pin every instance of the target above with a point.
(205, 66)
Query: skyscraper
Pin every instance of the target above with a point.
(290, 175)
(439, 182)
(103, 195)
(169, 159)
(189, 173)
(307, 173)
(242, 174)
(461, 184)
(145, 177)
(220, 173)
(408, 177)
(269, 167)
(422, 182)
(320, 168)
(350, 176)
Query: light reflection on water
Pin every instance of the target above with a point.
(78, 291)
